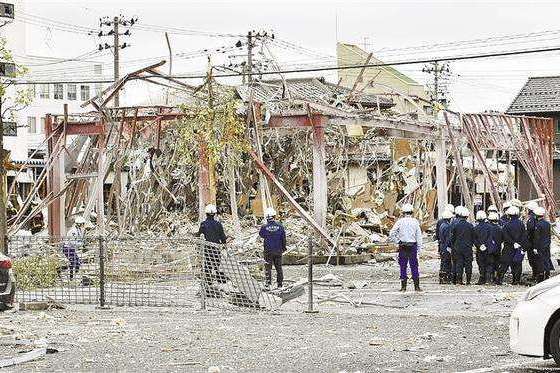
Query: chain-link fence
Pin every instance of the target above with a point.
(142, 272)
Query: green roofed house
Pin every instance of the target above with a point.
(382, 80)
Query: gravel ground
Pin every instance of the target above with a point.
(443, 329)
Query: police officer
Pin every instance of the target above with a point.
(407, 234)
(274, 237)
(494, 247)
(448, 208)
(541, 241)
(482, 232)
(74, 241)
(535, 260)
(505, 217)
(213, 232)
(514, 240)
(445, 274)
(461, 243)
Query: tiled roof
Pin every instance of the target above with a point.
(313, 90)
(539, 95)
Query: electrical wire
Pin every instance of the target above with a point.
(347, 67)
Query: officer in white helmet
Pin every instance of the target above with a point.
(541, 242)
(462, 239)
(407, 234)
(446, 264)
(482, 234)
(535, 260)
(213, 232)
(274, 237)
(494, 247)
(515, 242)
(74, 241)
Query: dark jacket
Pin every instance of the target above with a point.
(274, 237)
(212, 230)
(443, 234)
(514, 232)
(495, 239)
(482, 234)
(462, 235)
(531, 221)
(541, 235)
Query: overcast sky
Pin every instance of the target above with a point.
(317, 25)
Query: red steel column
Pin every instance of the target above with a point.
(55, 180)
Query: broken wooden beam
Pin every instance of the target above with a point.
(304, 214)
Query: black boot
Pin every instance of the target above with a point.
(540, 277)
(499, 278)
(469, 275)
(481, 280)
(459, 280)
(403, 285)
(417, 284)
(547, 275)
(442, 278)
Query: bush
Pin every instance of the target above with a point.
(33, 272)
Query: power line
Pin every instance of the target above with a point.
(347, 67)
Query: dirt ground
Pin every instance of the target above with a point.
(443, 329)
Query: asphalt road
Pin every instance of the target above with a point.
(373, 329)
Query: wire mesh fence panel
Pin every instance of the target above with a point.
(229, 282)
(141, 272)
(150, 272)
(56, 269)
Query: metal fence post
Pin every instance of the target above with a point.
(202, 278)
(310, 276)
(101, 272)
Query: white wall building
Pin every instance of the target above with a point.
(47, 98)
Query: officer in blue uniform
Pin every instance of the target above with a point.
(482, 233)
(213, 232)
(461, 243)
(541, 242)
(535, 260)
(494, 247)
(505, 217)
(274, 237)
(515, 241)
(445, 274)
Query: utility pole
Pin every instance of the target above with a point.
(116, 56)
(250, 57)
(439, 93)
(116, 47)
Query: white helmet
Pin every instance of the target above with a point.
(480, 215)
(79, 220)
(493, 216)
(447, 214)
(269, 212)
(407, 208)
(462, 211)
(492, 208)
(513, 210)
(532, 205)
(507, 205)
(539, 211)
(210, 209)
(450, 207)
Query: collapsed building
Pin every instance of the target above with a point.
(338, 160)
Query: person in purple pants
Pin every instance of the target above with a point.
(407, 234)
